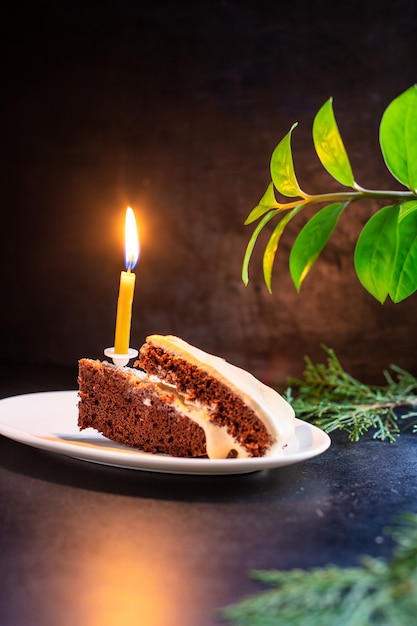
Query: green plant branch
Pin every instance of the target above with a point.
(332, 399)
(377, 591)
(386, 251)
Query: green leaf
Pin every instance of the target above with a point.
(251, 245)
(272, 245)
(266, 203)
(282, 168)
(376, 252)
(311, 240)
(404, 279)
(398, 138)
(407, 207)
(329, 145)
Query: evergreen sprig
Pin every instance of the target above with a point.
(377, 591)
(333, 400)
(385, 256)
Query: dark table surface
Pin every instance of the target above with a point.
(88, 544)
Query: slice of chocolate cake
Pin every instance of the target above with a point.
(183, 402)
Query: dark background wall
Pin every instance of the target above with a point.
(175, 108)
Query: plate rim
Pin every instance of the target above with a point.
(122, 456)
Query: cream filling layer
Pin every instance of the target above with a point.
(276, 414)
(219, 442)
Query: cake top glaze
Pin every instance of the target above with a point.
(274, 411)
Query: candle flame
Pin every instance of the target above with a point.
(131, 240)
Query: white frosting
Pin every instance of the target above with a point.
(275, 412)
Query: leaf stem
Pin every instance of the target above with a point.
(351, 196)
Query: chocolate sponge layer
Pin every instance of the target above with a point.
(134, 412)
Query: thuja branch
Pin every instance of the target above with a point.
(377, 591)
(332, 399)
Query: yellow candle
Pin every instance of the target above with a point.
(127, 286)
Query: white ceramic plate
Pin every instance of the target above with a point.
(49, 421)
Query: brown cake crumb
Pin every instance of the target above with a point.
(134, 413)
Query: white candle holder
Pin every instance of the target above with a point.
(120, 359)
